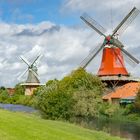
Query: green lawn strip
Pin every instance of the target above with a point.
(15, 126)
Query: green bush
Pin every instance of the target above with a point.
(3, 95)
(110, 110)
(133, 117)
(19, 89)
(55, 105)
(17, 98)
(12, 99)
(137, 103)
(87, 103)
(129, 109)
(78, 94)
(80, 79)
(25, 100)
(6, 98)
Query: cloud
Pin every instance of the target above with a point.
(29, 32)
(63, 47)
(101, 5)
(107, 13)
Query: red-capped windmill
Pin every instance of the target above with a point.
(112, 65)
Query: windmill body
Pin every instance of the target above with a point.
(32, 78)
(32, 81)
(112, 62)
(112, 65)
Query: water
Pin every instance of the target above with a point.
(130, 131)
(20, 108)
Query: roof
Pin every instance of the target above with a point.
(125, 91)
(11, 90)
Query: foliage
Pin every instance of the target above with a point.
(133, 117)
(2, 88)
(12, 99)
(6, 98)
(17, 98)
(110, 110)
(51, 82)
(137, 102)
(81, 79)
(26, 100)
(19, 89)
(87, 103)
(3, 95)
(54, 103)
(129, 109)
(77, 94)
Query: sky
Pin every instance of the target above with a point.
(54, 29)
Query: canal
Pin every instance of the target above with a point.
(20, 108)
(128, 130)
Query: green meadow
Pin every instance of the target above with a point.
(23, 126)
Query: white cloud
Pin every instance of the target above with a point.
(101, 5)
(63, 47)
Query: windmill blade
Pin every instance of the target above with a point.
(126, 22)
(93, 24)
(21, 75)
(91, 56)
(132, 58)
(129, 61)
(24, 60)
(36, 59)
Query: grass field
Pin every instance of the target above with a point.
(22, 126)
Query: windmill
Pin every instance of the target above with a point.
(32, 79)
(112, 65)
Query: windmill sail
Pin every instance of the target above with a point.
(93, 24)
(130, 56)
(32, 70)
(91, 56)
(22, 74)
(129, 60)
(24, 60)
(36, 59)
(126, 21)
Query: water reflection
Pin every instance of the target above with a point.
(131, 131)
(13, 107)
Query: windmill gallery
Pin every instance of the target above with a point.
(112, 69)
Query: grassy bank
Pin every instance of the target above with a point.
(15, 126)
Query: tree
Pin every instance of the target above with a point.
(137, 102)
(77, 94)
(87, 103)
(54, 103)
(80, 79)
(19, 89)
